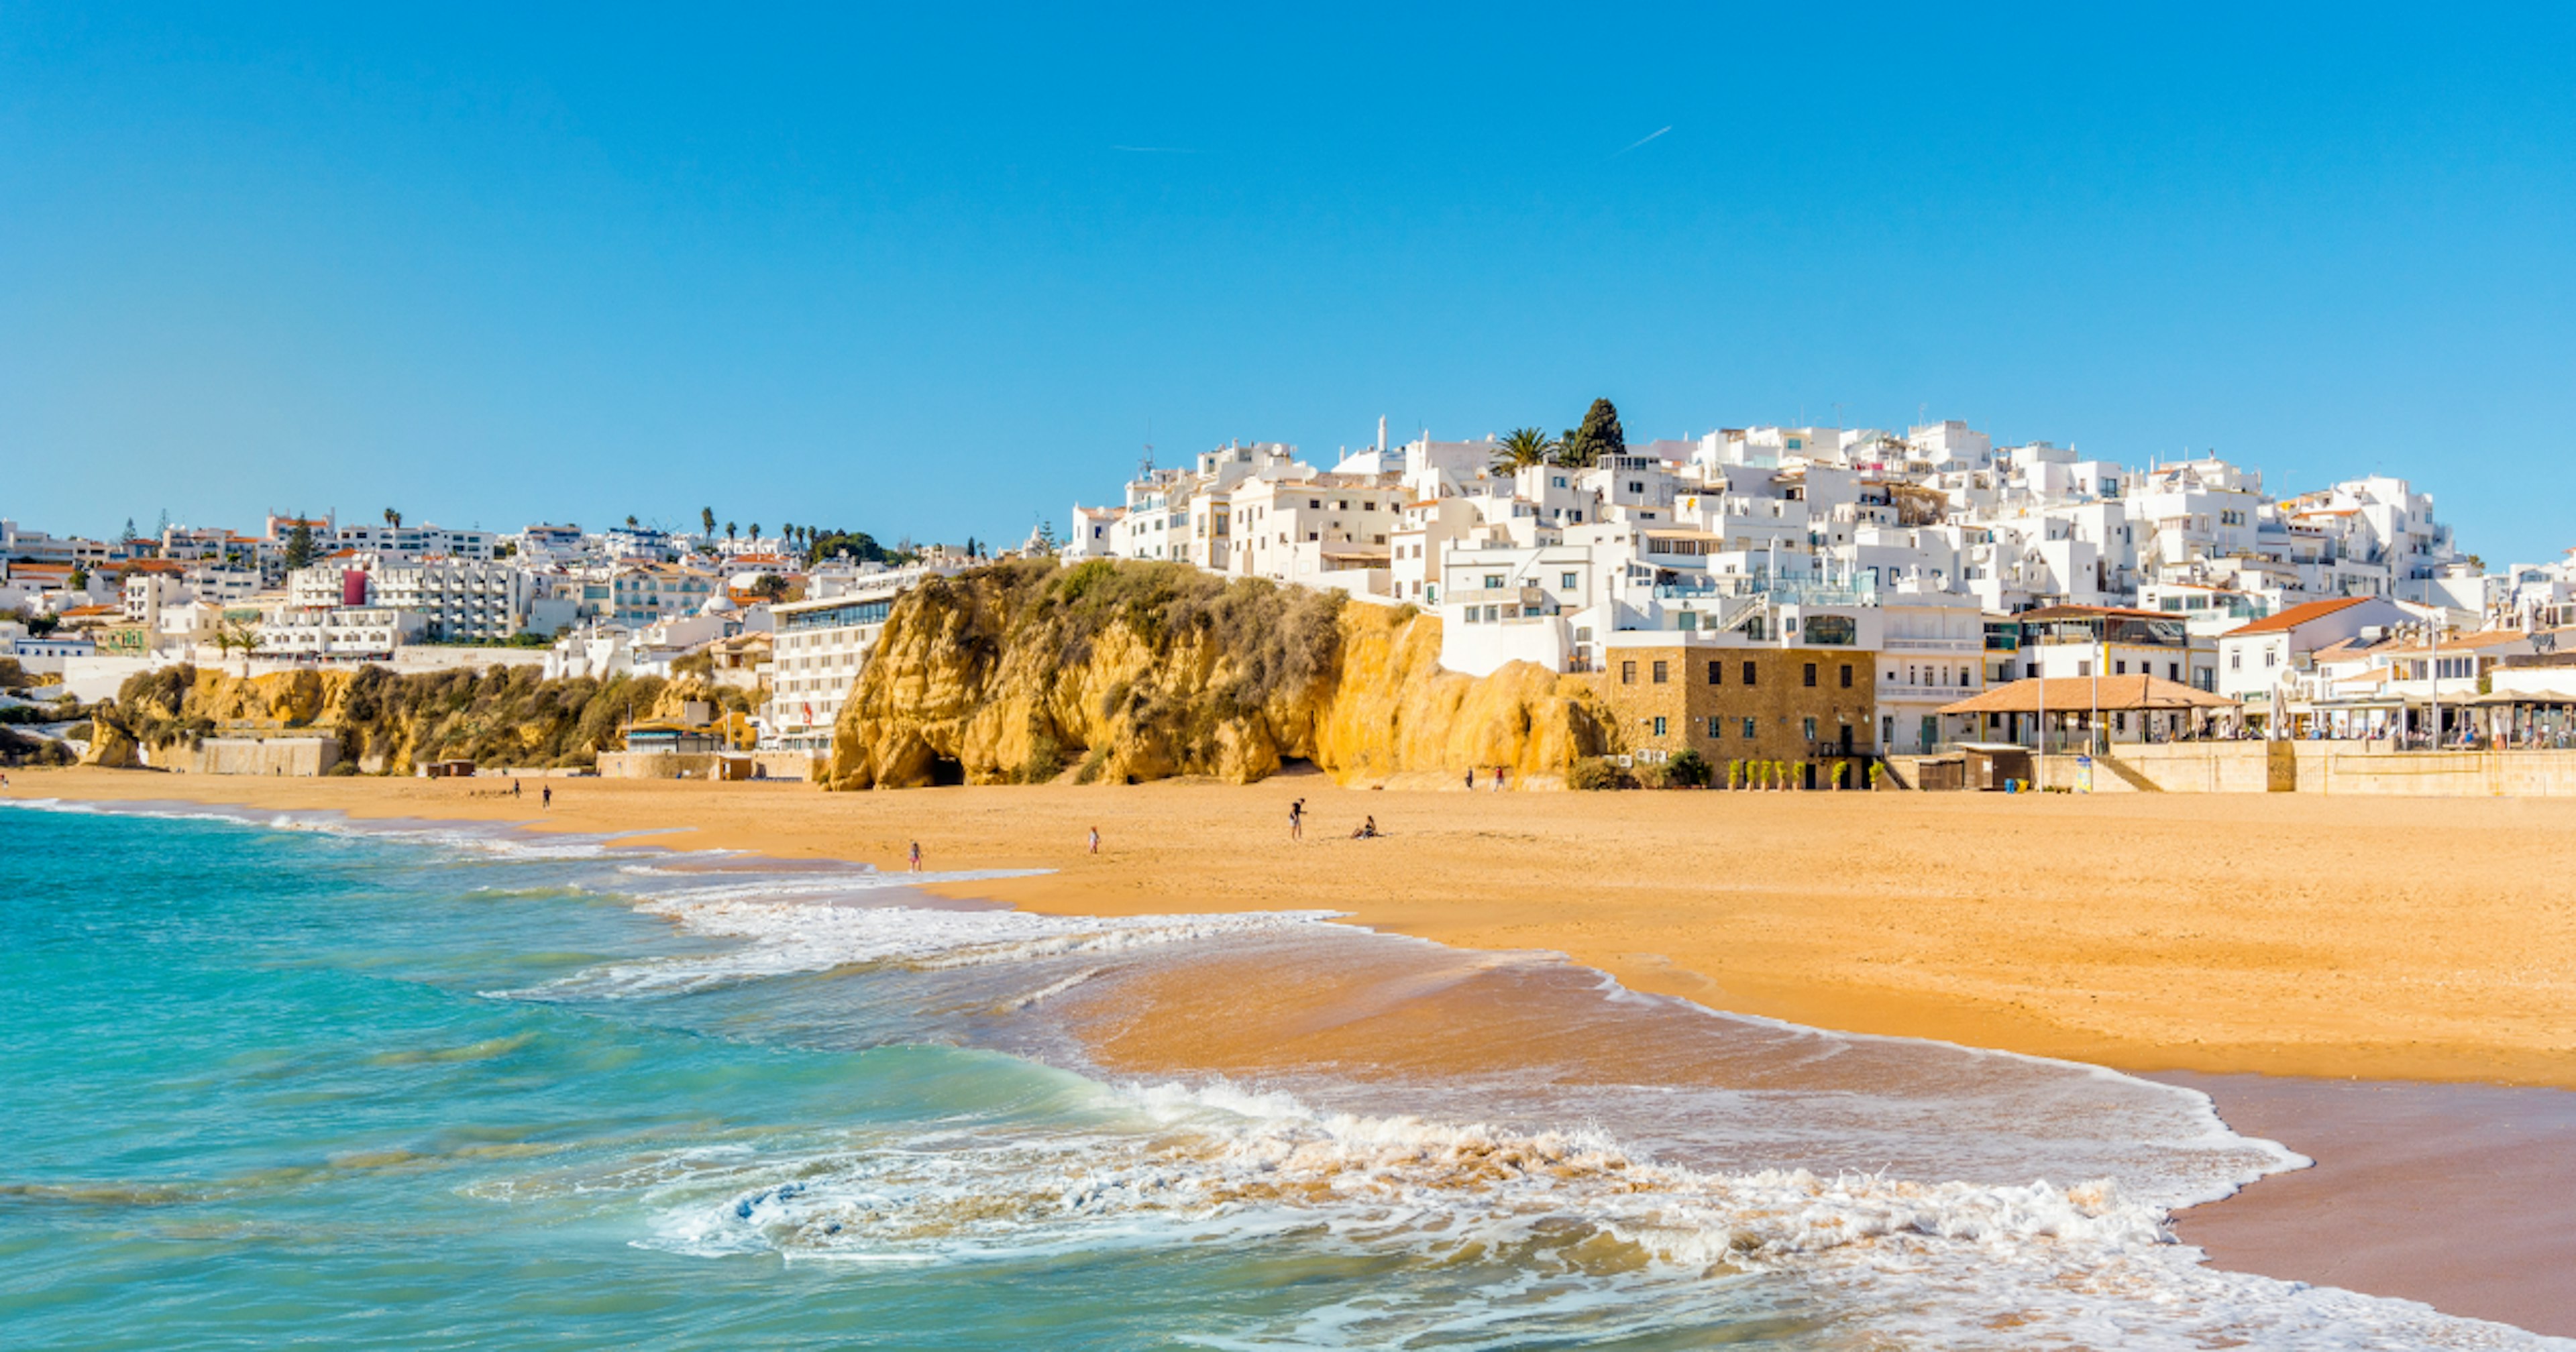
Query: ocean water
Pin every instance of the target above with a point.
(275, 1079)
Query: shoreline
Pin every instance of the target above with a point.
(2387, 939)
(1189, 848)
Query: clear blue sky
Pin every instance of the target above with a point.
(936, 271)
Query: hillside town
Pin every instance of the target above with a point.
(1828, 596)
(1963, 581)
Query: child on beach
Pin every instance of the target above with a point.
(1095, 840)
(1297, 820)
(916, 856)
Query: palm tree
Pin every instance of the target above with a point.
(630, 521)
(730, 528)
(392, 517)
(707, 518)
(235, 636)
(1523, 447)
(755, 530)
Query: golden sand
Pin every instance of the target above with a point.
(2428, 939)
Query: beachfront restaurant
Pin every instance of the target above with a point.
(2071, 713)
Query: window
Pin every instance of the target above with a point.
(1627, 673)
(1808, 727)
(1811, 675)
(1716, 675)
(2120, 668)
(2271, 658)
(1847, 676)
(1748, 679)
(1716, 727)
(1748, 729)
(2236, 661)
(1659, 725)
(1660, 675)
(2084, 668)
(2173, 671)
(1566, 582)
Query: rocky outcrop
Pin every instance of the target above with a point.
(1122, 672)
(386, 722)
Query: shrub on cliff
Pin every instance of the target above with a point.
(1593, 773)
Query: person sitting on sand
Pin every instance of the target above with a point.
(1367, 831)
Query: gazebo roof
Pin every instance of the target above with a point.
(2112, 694)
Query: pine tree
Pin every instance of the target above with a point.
(299, 546)
(1598, 436)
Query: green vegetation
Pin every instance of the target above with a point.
(1687, 770)
(1523, 447)
(1597, 437)
(1594, 773)
(299, 545)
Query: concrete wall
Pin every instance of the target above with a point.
(788, 765)
(2345, 768)
(290, 756)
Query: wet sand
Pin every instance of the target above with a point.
(2454, 1195)
(2235, 937)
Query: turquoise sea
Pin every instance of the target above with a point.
(275, 1080)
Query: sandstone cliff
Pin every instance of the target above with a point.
(389, 723)
(1120, 672)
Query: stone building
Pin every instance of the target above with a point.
(1815, 708)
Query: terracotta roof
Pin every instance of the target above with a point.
(2295, 616)
(2111, 693)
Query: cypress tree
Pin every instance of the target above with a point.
(1598, 436)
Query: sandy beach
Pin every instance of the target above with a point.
(2229, 938)
(2414, 939)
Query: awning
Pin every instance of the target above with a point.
(2111, 694)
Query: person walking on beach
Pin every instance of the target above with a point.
(1498, 779)
(545, 795)
(1471, 779)
(1095, 840)
(514, 788)
(916, 856)
(1297, 820)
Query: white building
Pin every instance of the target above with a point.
(820, 645)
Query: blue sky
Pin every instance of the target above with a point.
(940, 273)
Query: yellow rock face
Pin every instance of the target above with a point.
(955, 692)
(406, 720)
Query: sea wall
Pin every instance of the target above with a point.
(2348, 768)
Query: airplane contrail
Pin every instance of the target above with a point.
(1644, 139)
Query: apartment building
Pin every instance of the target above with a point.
(819, 646)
